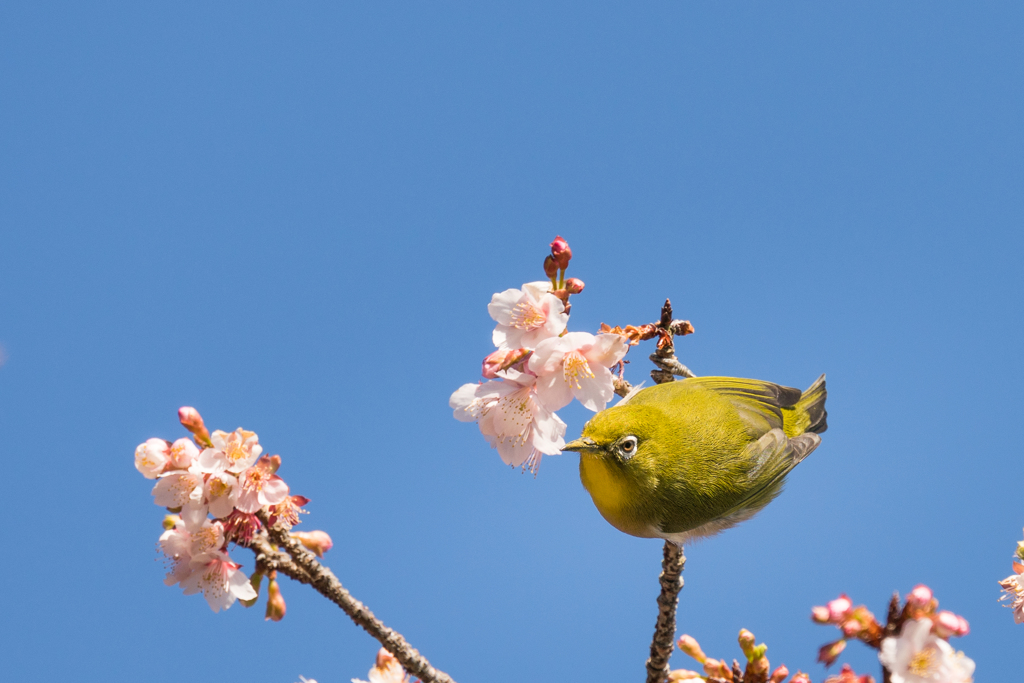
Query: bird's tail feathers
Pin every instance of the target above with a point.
(808, 414)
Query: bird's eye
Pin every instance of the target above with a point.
(627, 447)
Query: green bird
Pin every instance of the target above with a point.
(686, 460)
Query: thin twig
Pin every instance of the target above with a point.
(671, 580)
(304, 567)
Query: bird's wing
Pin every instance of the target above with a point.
(772, 457)
(758, 403)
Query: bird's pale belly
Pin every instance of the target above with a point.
(614, 497)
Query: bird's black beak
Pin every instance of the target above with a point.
(582, 444)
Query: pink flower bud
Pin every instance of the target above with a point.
(501, 360)
(193, 422)
(183, 452)
(684, 675)
(820, 615)
(574, 285)
(275, 601)
(921, 596)
(779, 675)
(561, 253)
(946, 624)
(318, 542)
(839, 608)
(550, 267)
(851, 627)
(800, 677)
(689, 645)
(830, 652)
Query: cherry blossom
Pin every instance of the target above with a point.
(511, 418)
(232, 452)
(178, 488)
(576, 364)
(386, 669)
(260, 486)
(526, 316)
(219, 579)
(220, 493)
(918, 656)
(151, 457)
(1013, 586)
(182, 453)
(176, 543)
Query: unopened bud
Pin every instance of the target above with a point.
(820, 615)
(182, 453)
(921, 596)
(318, 542)
(550, 267)
(830, 652)
(946, 624)
(193, 422)
(779, 675)
(275, 602)
(561, 253)
(574, 285)
(689, 645)
(502, 360)
(800, 677)
(171, 521)
(851, 627)
(718, 669)
(684, 675)
(747, 641)
(839, 608)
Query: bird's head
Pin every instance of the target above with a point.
(615, 433)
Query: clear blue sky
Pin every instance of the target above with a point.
(292, 216)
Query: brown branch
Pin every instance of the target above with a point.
(304, 567)
(671, 580)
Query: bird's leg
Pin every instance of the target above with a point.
(671, 580)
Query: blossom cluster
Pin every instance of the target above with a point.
(387, 669)
(1013, 585)
(757, 668)
(539, 367)
(914, 643)
(214, 495)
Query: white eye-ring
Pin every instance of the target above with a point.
(627, 446)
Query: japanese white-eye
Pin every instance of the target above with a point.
(688, 459)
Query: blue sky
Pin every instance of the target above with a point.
(293, 216)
